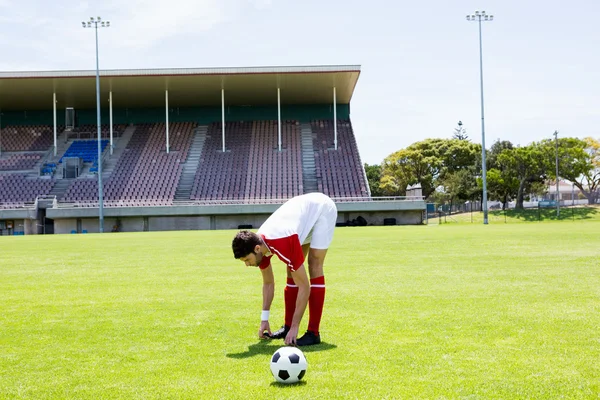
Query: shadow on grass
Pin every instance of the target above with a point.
(269, 347)
(549, 214)
(286, 385)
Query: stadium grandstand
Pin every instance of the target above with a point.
(210, 148)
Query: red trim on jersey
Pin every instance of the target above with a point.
(288, 249)
(265, 262)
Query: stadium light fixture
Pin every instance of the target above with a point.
(478, 17)
(96, 23)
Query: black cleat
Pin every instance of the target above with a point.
(279, 334)
(308, 339)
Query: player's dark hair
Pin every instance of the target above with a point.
(244, 243)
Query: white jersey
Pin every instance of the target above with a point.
(296, 216)
(309, 218)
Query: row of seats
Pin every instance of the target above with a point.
(19, 161)
(89, 131)
(252, 167)
(21, 188)
(104, 128)
(144, 171)
(87, 150)
(339, 172)
(28, 138)
(16, 189)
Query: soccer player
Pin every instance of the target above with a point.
(301, 228)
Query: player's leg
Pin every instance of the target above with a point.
(290, 294)
(316, 300)
(322, 237)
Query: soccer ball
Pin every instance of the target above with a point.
(288, 365)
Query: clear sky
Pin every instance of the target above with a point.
(419, 59)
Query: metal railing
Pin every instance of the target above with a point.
(192, 203)
(16, 205)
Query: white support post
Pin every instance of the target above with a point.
(167, 117)
(223, 117)
(279, 117)
(334, 119)
(54, 114)
(111, 121)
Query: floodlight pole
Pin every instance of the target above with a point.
(335, 132)
(94, 23)
(482, 16)
(557, 185)
(54, 121)
(279, 119)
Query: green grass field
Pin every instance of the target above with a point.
(461, 311)
(510, 216)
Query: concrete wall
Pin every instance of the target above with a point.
(206, 217)
(179, 223)
(30, 226)
(18, 225)
(90, 225)
(233, 221)
(134, 224)
(376, 218)
(66, 225)
(206, 222)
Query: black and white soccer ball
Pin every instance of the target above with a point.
(288, 365)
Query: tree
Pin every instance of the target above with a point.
(418, 163)
(502, 186)
(591, 179)
(461, 166)
(576, 163)
(460, 133)
(427, 162)
(528, 164)
(457, 155)
(459, 185)
(494, 152)
(373, 173)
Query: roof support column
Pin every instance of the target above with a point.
(334, 118)
(54, 119)
(111, 121)
(223, 117)
(167, 117)
(279, 117)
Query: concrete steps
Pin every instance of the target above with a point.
(190, 166)
(111, 161)
(59, 188)
(309, 175)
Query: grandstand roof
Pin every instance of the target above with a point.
(145, 88)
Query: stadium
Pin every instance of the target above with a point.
(181, 149)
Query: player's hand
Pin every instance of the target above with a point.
(264, 327)
(290, 338)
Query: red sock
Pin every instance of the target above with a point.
(315, 303)
(290, 293)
